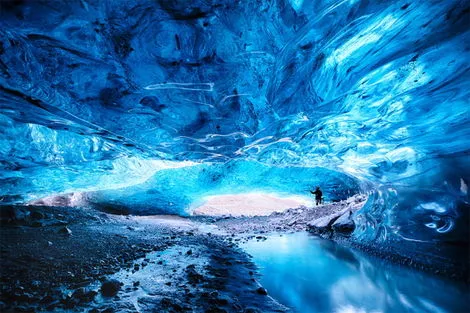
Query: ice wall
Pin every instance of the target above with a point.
(95, 95)
(178, 191)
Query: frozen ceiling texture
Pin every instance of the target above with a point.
(141, 102)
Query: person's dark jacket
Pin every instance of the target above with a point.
(318, 194)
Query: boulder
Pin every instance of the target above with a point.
(323, 224)
(344, 225)
(193, 276)
(13, 215)
(110, 287)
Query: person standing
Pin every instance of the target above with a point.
(318, 195)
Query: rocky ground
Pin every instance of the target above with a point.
(63, 259)
(323, 219)
(78, 260)
(82, 260)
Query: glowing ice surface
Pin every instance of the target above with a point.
(95, 95)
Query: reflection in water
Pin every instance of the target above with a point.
(311, 274)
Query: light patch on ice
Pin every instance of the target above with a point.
(353, 309)
(173, 220)
(182, 86)
(130, 171)
(296, 4)
(369, 36)
(248, 204)
(124, 172)
(433, 206)
(463, 187)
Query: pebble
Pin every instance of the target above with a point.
(262, 291)
(65, 230)
(37, 224)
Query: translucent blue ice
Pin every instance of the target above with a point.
(99, 96)
(181, 190)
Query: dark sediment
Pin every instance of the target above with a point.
(46, 268)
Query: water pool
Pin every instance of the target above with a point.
(310, 274)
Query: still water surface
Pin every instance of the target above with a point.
(310, 274)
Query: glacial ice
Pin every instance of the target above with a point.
(130, 102)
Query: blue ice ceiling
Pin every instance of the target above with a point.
(102, 95)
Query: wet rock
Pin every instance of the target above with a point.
(110, 288)
(24, 309)
(262, 291)
(215, 310)
(60, 223)
(37, 224)
(136, 283)
(36, 215)
(69, 302)
(84, 295)
(23, 297)
(35, 284)
(173, 304)
(323, 224)
(13, 215)
(193, 276)
(189, 252)
(108, 310)
(222, 300)
(292, 222)
(47, 299)
(65, 230)
(344, 225)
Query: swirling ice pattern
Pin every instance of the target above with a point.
(95, 94)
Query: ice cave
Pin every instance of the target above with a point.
(161, 155)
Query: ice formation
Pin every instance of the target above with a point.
(143, 103)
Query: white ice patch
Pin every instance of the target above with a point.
(433, 206)
(248, 204)
(463, 187)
